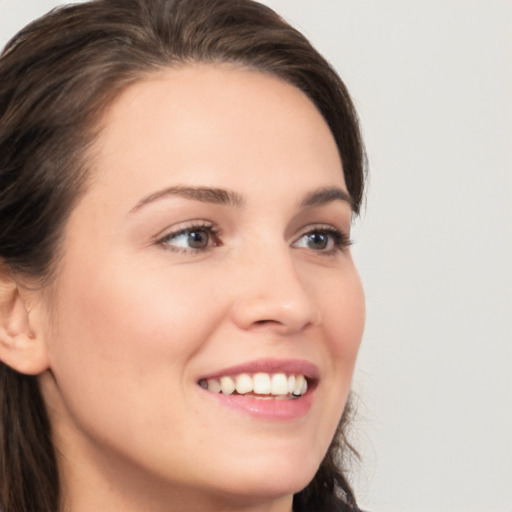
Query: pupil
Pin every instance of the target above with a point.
(318, 241)
(198, 239)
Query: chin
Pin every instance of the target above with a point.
(278, 477)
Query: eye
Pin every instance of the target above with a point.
(327, 240)
(196, 238)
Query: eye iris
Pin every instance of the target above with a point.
(198, 239)
(318, 241)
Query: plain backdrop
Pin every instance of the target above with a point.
(432, 80)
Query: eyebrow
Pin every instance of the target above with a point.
(221, 196)
(326, 195)
(203, 194)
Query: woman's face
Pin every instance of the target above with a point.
(209, 247)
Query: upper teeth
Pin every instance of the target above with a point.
(278, 384)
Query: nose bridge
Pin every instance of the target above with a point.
(272, 292)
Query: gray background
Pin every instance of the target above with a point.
(432, 80)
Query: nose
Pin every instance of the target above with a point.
(272, 294)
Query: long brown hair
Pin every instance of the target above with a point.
(57, 76)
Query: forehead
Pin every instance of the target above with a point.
(202, 123)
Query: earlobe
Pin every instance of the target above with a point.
(21, 347)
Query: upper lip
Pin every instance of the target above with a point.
(269, 365)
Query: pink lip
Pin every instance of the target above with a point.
(297, 366)
(273, 409)
(276, 410)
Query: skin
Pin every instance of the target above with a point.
(135, 319)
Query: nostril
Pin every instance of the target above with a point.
(267, 322)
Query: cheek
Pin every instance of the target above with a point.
(124, 330)
(122, 341)
(134, 309)
(343, 314)
(343, 317)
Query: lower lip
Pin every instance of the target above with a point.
(269, 409)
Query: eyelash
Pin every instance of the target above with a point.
(210, 229)
(340, 240)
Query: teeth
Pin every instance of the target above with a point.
(262, 384)
(214, 386)
(300, 386)
(266, 386)
(279, 384)
(291, 383)
(227, 385)
(243, 384)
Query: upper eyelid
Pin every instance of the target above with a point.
(321, 227)
(163, 241)
(215, 231)
(183, 228)
(343, 238)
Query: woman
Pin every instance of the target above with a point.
(180, 313)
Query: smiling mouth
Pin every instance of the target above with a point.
(260, 385)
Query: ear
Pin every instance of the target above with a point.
(21, 344)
